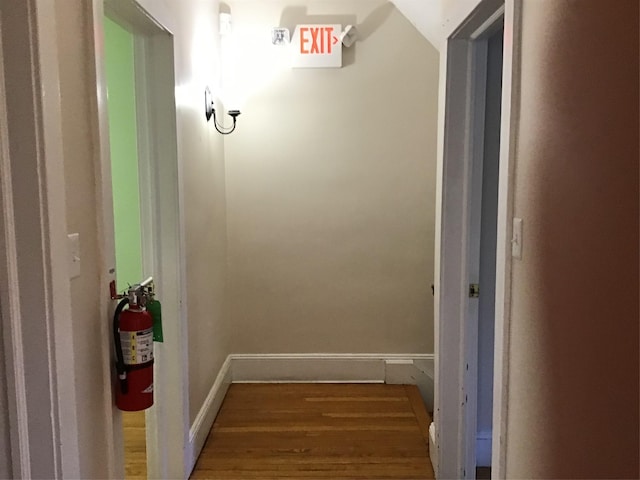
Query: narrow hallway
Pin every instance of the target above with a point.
(338, 431)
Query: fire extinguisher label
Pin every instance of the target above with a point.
(137, 347)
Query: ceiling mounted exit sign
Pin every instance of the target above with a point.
(317, 46)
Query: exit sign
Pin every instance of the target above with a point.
(317, 46)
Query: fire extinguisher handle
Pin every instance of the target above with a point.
(120, 365)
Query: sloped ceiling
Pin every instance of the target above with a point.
(425, 15)
(435, 18)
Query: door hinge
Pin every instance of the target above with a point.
(474, 290)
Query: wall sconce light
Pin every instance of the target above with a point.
(210, 111)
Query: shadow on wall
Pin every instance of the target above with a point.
(586, 163)
(292, 16)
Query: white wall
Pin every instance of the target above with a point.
(330, 184)
(573, 381)
(200, 149)
(435, 19)
(425, 16)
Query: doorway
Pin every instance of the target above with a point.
(125, 181)
(483, 254)
(140, 178)
(480, 238)
(473, 242)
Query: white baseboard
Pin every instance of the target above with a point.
(412, 369)
(433, 448)
(206, 416)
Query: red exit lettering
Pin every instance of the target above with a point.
(317, 40)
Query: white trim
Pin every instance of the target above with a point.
(437, 260)
(160, 200)
(206, 416)
(414, 369)
(158, 12)
(59, 292)
(106, 244)
(390, 357)
(10, 303)
(508, 146)
(47, 424)
(488, 24)
(433, 449)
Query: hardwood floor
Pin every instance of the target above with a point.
(336, 431)
(135, 447)
(483, 473)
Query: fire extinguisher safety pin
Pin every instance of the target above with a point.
(133, 292)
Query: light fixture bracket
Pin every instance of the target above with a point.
(210, 111)
(208, 104)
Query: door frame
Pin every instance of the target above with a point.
(460, 103)
(41, 387)
(167, 422)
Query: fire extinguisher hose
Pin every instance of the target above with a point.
(120, 365)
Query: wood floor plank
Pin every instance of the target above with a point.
(135, 445)
(422, 416)
(337, 431)
(317, 428)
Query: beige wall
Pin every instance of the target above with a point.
(330, 184)
(201, 154)
(573, 384)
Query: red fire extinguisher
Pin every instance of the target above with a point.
(133, 336)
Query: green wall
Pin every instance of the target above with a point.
(124, 152)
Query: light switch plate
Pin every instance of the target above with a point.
(73, 246)
(516, 239)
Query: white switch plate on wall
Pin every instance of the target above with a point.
(73, 246)
(516, 239)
